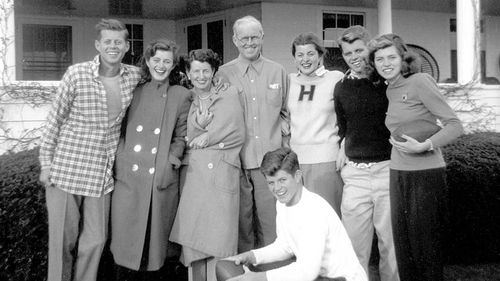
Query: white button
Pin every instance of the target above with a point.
(252, 80)
(253, 98)
(135, 167)
(154, 150)
(137, 148)
(151, 170)
(139, 128)
(255, 118)
(256, 137)
(164, 95)
(157, 131)
(221, 145)
(210, 165)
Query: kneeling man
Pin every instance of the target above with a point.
(307, 228)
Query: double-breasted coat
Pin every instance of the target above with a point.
(146, 175)
(207, 218)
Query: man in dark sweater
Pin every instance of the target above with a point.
(361, 105)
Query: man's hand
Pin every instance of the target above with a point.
(45, 177)
(245, 258)
(341, 158)
(203, 117)
(200, 141)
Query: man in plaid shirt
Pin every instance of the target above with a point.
(77, 153)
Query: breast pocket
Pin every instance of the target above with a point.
(273, 97)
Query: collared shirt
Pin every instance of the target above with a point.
(79, 142)
(263, 84)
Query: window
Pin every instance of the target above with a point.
(206, 33)
(453, 25)
(194, 37)
(46, 51)
(136, 44)
(215, 37)
(125, 7)
(333, 24)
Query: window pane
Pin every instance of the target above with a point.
(46, 51)
(194, 37)
(215, 37)
(343, 21)
(357, 20)
(329, 20)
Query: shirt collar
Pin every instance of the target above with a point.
(95, 67)
(244, 65)
(320, 71)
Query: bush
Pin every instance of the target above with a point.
(23, 218)
(473, 175)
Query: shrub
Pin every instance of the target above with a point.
(23, 218)
(473, 176)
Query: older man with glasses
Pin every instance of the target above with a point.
(263, 86)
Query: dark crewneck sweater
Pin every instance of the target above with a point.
(361, 108)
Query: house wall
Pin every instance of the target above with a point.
(84, 35)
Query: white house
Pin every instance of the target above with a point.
(458, 40)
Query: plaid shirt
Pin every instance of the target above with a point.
(79, 142)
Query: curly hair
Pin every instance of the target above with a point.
(410, 62)
(201, 55)
(308, 38)
(162, 44)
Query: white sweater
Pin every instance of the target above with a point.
(313, 233)
(313, 123)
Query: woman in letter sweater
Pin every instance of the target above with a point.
(313, 126)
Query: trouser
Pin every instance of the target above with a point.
(203, 270)
(418, 209)
(324, 180)
(257, 223)
(75, 221)
(365, 208)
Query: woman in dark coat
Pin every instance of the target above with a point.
(146, 195)
(207, 220)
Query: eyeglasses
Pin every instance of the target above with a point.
(248, 39)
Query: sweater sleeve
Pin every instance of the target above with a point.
(341, 120)
(435, 102)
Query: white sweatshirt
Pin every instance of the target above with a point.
(312, 232)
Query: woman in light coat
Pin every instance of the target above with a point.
(207, 219)
(146, 192)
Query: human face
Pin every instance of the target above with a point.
(160, 65)
(307, 58)
(201, 74)
(112, 46)
(388, 63)
(287, 188)
(355, 54)
(248, 39)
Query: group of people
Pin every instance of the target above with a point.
(181, 158)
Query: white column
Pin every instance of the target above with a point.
(467, 40)
(7, 47)
(384, 16)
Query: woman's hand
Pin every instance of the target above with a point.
(200, 141)
(411, 145)
(203, 117)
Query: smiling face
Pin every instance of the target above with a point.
(160, 65)
(112, 46)
(201, 74)
(388, 63)
(355, 54)
(248, 39)
(287, 188)
(307, 58)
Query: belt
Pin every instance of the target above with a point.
(361, 165)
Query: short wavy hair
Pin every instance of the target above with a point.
(410, 61)
(203, 55)
(308, 38)
(280, 159)
(353, 33)
(162, 44)
(110, 24)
